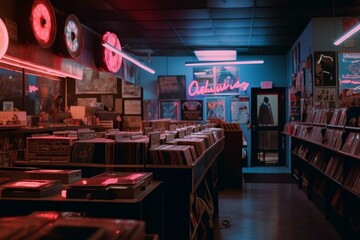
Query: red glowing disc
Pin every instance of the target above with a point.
(112, 61)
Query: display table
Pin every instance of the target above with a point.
(147, 206)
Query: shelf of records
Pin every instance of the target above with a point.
(331, 179)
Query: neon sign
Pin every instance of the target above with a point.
(194, 88)
(33, 88)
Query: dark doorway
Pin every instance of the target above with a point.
(267, 120)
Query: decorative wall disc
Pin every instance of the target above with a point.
(39, 22)
(4, 38)
(70, 38)
(109, 60)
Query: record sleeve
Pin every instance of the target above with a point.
(114, 185)
(64, 176)
(31, 188)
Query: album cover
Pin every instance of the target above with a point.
(31, 188)
(64, 176)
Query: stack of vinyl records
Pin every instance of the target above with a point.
(64, 176)
(97, 150)
(31, 188)
(197, 143)
(165, 154)
(110, 185)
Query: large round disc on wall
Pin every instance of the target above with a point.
(38, 22)
(106, 59)
(4, 38)
(70, 37)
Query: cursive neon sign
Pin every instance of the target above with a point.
(194, 88)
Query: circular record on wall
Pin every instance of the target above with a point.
(4, 38)
(70, 36)
(38, 22)
(105, 58)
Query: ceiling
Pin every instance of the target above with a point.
(177, 27)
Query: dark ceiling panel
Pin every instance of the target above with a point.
(165, 27)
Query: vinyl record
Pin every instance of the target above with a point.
(37, 22)
(70, 36)
(105, 58)
(4, 38)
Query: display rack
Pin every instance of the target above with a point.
(185, 187)
(325, 154)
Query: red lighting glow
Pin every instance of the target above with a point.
(112, 60)
(33, 89)
(4, 38)
(43, 23)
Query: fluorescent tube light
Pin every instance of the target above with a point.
(215, 55)
(127, 57)
(348, 34)
(223, 63)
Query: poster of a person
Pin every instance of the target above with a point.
(240, 112)
(267, 110)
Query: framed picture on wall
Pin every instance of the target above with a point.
(95, 82)
(132, 107)
(85, 101)
(151, 109)
(130, 90)
(169, 109)
(192, 110)
(325, 69)
(172, 87)
(215, 108)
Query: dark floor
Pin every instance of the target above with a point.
(271, 211)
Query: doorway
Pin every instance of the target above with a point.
(267, 122)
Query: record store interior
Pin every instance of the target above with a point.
(179, 120)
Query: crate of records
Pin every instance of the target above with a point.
(49, 148)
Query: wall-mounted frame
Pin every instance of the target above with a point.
(325, 68)
(85, 101)
(172, 87)
(118, 105)
(130, 90)
(192, 110)
(132, 107)
(215, 108)
(95, 82)
(151, 109)
(169, 109)
(349, 74)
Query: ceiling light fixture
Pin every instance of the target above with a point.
(223, 63)
(127, 57)
(215, 55)
(348, 34)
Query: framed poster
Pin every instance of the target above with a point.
(130, 90)
(151, 109)
(95, 82)
(325, 97)
(349, 74)
(217, 80)
(240, 110)
(192, 110)
(132, 107)
(172, 87)
(169, 109)
(267, 108)
(325, 69)
(86, 101)
(215, 108)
